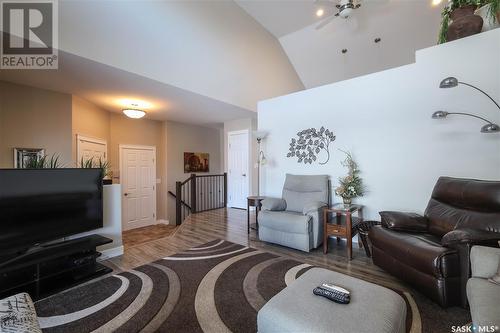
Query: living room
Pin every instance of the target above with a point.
(271, 166)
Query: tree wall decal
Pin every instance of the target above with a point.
(309, 144)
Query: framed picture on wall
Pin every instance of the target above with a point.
(196, 162)
(22, 156)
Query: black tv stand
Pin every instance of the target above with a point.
(47, 269)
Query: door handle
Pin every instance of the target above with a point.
(244, 175)
(125, 194)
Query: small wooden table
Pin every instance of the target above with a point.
(254, 201)
(347, 230)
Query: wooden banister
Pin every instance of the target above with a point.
(199, 193)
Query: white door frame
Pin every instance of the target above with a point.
(80, 137)
(140, 147)
(249, 156)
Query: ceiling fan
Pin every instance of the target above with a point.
(345, 9)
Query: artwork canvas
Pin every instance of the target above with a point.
(23, 155)
(196, 162)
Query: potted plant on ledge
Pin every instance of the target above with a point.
(104, 165)
(459, 19)
(350, 186)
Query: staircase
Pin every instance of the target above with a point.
(199, 194)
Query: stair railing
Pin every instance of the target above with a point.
(199, 193)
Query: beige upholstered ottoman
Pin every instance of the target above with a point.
(296, 309)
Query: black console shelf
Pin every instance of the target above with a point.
(48, 269)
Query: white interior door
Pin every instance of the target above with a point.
(138, 175)
(89, 148)
(238, 177)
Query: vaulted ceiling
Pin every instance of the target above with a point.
(195, 61)
(212, 61)
(402, 26)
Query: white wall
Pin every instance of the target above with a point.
(385, 120)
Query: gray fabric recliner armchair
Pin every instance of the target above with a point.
(296, 220)
(483, 295)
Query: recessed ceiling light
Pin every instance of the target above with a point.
(436, 2)
(134, 113)
(320, 12)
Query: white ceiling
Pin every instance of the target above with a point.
(212, 48)
(403, 25)
(200, 62)
(205, 62)
(112, 89)
(281, 17)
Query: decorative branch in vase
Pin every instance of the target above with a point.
(350, 186)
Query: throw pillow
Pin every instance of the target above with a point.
(17, 314)
(273, 204)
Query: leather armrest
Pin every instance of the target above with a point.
(274, 204)
(311, 207)
(399, 221)
(467, 235)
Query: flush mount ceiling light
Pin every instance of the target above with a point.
(134, 113)
(320, 12)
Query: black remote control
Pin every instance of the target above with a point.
(336, 296)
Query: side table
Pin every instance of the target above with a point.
(254, 201)
(342, 230)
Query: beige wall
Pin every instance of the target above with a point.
(116, 129)
(189, 138)
(144, 132)
(90, 121)
(34, 118)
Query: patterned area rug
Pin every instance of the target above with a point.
(216, 287)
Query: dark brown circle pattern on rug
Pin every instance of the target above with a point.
(215, 287)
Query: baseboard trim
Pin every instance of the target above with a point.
(162, 222)
(110, 253)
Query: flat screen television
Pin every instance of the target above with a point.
(42, 205)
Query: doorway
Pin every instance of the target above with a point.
(138, 179)
(238, 170)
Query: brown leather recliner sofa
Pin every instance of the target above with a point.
(431, 252)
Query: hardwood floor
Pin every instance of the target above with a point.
(231, 225)
(147, 234)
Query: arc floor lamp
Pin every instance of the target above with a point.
(452, 82)
(261, 158)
